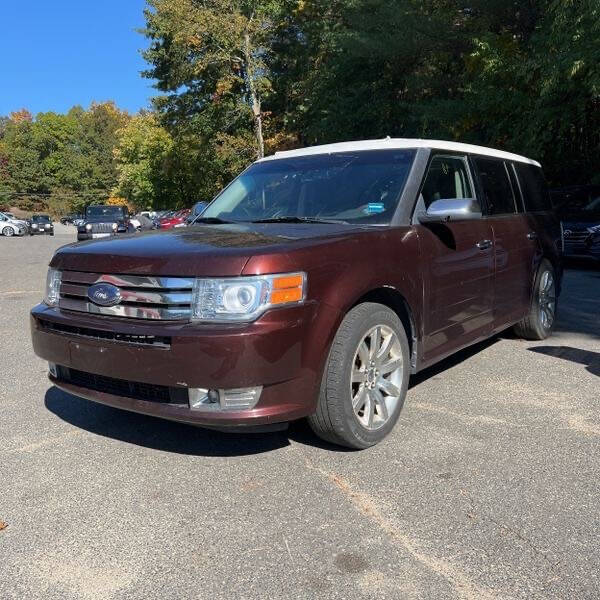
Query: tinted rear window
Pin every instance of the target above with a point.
(496, 186)
(533, 186)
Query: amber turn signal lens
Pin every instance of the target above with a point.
(287, 282)
(283, 296)
(288, 288)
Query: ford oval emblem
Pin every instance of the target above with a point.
(104, 294)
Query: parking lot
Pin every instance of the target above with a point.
(487, 487)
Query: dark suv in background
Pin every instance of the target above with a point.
(578, 208)
(312, 286)
(103, 221)
(41, 225)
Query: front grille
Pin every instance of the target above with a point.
(121, 387)
(97, 334)
(142, 297)
(575, 237)
(102, 227)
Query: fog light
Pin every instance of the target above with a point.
(232, 399)
(52, 369)
(240, 398)
(203, 399)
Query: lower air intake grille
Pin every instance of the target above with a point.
(98, 334)
(122, 387)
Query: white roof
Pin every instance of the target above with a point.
(401, 143)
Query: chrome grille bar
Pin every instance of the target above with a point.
(142, 296)
(102, 227)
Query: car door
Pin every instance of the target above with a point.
(515, 243)
(458, 259)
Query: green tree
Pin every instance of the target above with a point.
(213, 55)
(143, 154)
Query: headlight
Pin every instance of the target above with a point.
(245, 298)
(33, 226)
(594, 229)
(52, 287)
(88, 227)
(114, 226)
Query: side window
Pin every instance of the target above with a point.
(533, 186)
(447, 178)
(496, 186)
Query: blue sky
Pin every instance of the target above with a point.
(58, 53)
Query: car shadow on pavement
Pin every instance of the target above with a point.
(170, 436)
(590, 359)
(453, 360)
(158, 434)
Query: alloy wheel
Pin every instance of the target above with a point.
(547, 300)
(8, 232)
(376, 378)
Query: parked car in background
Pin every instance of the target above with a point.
(197, 210)
(70, 219)
(319, 280)
(41, 224)
(10, 226)
(578, 208)
(103, 221)
(177, 219)
(142, 222)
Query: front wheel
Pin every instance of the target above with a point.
(365, 380)
(539, 322)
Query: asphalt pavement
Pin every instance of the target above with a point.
(487, 488)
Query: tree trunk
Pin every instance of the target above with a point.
(254, 99)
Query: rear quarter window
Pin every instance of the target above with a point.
(533, 187)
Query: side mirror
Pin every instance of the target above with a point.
(453, 209)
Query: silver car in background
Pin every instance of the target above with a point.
(10, 226)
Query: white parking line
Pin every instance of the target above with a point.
(17, 292)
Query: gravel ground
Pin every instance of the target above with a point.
(487, 488)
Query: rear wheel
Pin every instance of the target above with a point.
(8, 232)
(365, 380)
(539, 323)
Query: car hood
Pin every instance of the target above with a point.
(577, 224)
(200, 250)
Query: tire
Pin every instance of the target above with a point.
(8, 232)
(350, 377)
(539, 323)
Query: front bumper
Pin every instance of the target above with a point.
(81, 236)
(588, 247)
(280, 352)
(41, 231)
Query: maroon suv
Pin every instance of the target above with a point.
(312, 286)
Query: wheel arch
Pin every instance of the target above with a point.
(394, 300)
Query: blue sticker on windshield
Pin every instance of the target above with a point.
(374, 208)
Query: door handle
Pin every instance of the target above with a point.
(532, 235)
(484, 244)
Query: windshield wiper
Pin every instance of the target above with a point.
(210, 221)
(300, 220)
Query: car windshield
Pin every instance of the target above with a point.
(360, 187)
(40, 219)
(115, 212)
